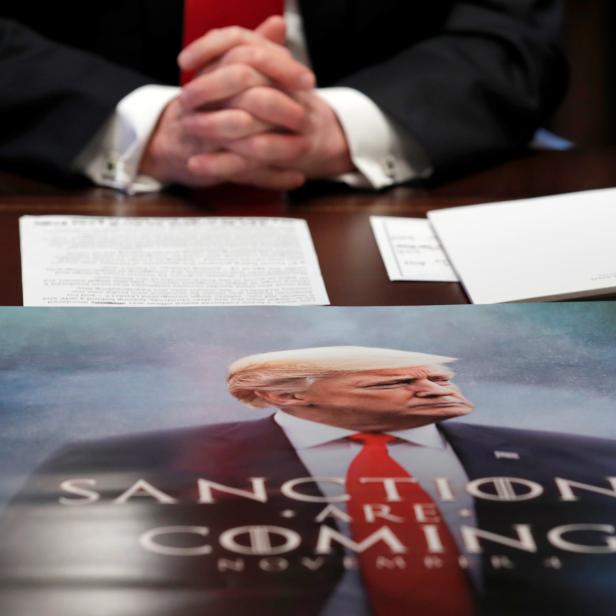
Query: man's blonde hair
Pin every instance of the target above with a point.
(293, 371)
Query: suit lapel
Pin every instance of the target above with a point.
(251, 449)
(485, 451)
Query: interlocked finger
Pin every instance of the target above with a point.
(271, 148)
(223, 83)
(222, 166)
(275, 63)
(223, 125)
(271, 106)
(216, 43)
(219, 166)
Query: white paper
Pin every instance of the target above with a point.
(86, 261)
(410, 250)
(548, 248)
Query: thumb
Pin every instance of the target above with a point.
(273, 29)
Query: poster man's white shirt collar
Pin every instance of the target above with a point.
(304, 433)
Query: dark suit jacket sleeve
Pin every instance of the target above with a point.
(54, 99)
(478, 87)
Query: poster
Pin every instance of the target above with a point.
(433, 460)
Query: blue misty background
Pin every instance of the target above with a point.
(69, 374)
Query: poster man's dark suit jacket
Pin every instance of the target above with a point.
(86, 559)
(467, 79)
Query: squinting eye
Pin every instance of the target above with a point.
(392, 385)
(387, 386)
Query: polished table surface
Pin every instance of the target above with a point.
(338, 218)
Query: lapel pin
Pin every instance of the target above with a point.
(506, 455)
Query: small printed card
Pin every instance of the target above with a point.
(410, 250)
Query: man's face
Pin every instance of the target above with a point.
(385, 399)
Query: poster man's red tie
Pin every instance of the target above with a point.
(203, 15)
(431, 582)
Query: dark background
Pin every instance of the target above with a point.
(588, 114)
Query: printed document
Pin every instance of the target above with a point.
(224, 261)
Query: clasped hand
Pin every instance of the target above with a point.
(249, 116)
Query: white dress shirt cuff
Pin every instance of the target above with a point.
(113, 155)
(382, 154)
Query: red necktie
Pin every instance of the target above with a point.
(431, 581)
(203, 15)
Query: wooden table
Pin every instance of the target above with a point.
(339, 219)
